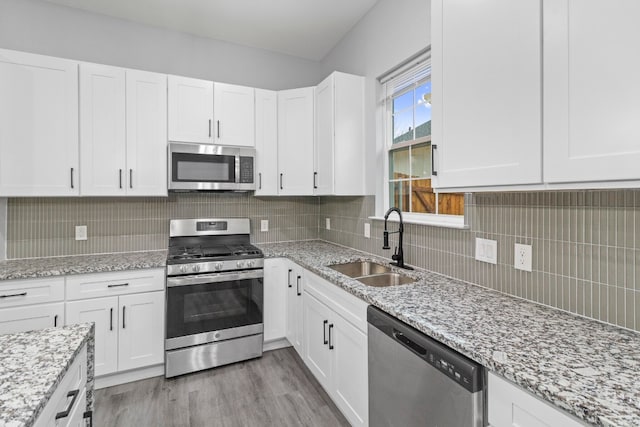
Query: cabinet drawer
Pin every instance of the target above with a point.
(31, 318)
(352, 308)
(73, 383)
(14, 293)
(117, 283)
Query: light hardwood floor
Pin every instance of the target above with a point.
(275, 390)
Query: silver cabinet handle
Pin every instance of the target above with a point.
(73, 395)
(433, 168)
(21, 294)
(130, 178)
(209, 128)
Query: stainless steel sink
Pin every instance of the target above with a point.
(360, 268)
(387, 279)
(372, 274)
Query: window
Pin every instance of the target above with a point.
(407, 105)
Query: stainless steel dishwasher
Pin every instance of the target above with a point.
(415, 380)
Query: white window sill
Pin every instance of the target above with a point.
(446, 221)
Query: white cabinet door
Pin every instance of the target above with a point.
(324, 139)
(267, 142)
(76, 417)
(350, 382)
(486, 92)
(31, 317)
(339, 140)
(591, 100)
(190, 110)
(294, 307)
(318, 324)
(295, 141)
(234, 114)
(104, 313)
(146, 133)
(102, 130)
(39, 131)
(275, 299)
(141, 335)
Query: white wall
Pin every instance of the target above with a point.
(50, 29)
(3, 228)
(391, 32)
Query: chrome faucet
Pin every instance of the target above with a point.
(398, 254)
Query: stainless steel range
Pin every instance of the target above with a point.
(214, 306)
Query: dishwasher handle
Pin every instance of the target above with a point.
(402, 338)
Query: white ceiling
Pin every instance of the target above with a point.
(304, 28)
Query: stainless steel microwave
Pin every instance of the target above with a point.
(206, 167)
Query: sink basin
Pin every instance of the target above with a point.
(360, 268)
(387, 279)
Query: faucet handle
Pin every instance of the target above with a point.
(395, 255)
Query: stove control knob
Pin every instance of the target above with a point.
(249, 264)
(183, 269)
(240, 264)
(218, 266)
(195, 268)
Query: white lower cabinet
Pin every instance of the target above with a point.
(511, 406)
(31, 317)
(335, 349)
(275, 298)
(27, 305)
(295, 278)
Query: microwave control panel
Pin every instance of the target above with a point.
(246, 169)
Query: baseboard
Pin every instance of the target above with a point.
(129, 376)
(276, 344)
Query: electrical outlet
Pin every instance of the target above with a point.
(367, 230)
(522, 257)
(81, 232)
(264, 225)
(328, 223)
(487, 250)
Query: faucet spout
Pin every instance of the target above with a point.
(398, 256)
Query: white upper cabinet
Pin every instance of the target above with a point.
(102, 130)
(266, 142)
(39, 131)
(339, 136)
(234, 114)
(591, 90)
(295, 141)
(190, 110)
(486, 92)
(146, 134)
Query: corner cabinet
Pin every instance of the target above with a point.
(590, 119)
(487, 86)
(266, 142)
(339, 136)
(39, 132)
(295, 141)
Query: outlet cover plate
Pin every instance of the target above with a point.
(487, 250)
(522, 257)
(81, 232)
(264, 225)
(367, 230)
(328, 223)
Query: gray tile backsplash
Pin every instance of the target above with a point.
(586, 246)
(39, 227)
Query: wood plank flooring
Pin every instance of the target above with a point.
(275, 390)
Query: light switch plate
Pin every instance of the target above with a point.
(487, 250)
(367, 230)
(522, 257)
(328, 223)
(81, 232)
(264, 225)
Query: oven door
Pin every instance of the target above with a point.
(213, 307)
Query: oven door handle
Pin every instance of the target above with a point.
(213, 278)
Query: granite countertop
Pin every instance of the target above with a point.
(29, 268)
(589, 369)
(32, 364)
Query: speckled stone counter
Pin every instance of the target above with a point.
(585, 367)
(32, 364)
(80, 264)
